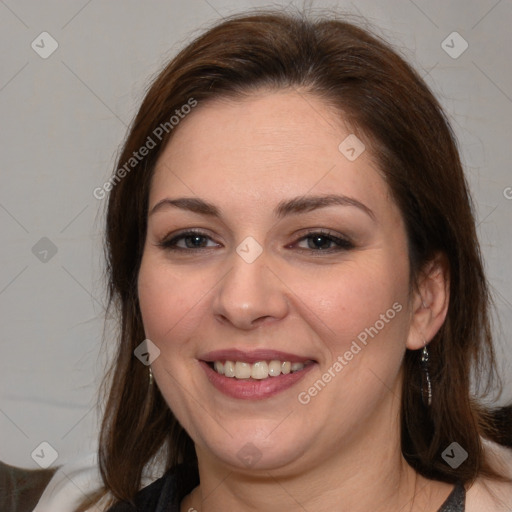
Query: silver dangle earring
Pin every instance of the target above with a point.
(148, 401)
(426, 386)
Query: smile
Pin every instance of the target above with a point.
(254, 375)
(259, 370)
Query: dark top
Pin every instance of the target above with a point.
(164, 496)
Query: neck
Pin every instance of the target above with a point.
(367, 473)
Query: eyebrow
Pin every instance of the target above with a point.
(304, 204)
(296, 205)
(191, 204)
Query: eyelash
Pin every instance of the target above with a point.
(343, 244)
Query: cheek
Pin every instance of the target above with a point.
(345, 300)
(169, 300)
(361, 318)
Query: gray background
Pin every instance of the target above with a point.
(63, 119)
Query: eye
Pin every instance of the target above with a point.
(321, 241)
(189, 240)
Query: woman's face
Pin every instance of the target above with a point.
(297, 255)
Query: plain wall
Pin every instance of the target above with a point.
(63, 119)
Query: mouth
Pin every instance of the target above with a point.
(259, 370)
(254, 375)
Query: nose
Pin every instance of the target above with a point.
(250, 294)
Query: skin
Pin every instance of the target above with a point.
(341, 451)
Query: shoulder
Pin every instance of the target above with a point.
(81, 478)
(490, 495)
(69, 484)
(150, 498)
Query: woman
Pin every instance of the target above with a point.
(290, 232)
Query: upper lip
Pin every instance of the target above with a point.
(252, 356)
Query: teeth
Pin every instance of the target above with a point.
(274, 368)
(260, 370)
(219, 367)
(297, 366)
(242, 370)
(229, 369)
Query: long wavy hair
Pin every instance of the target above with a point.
(391, 108)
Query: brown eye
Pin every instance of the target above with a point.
(193, 241)
(320, 241)
(189, 240)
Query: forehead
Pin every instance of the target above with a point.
(266, 147)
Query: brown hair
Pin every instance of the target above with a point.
(382, 98)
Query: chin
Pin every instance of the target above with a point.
(257, 451)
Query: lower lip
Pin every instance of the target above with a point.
(254, 389)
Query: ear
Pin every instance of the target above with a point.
(429, 302)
